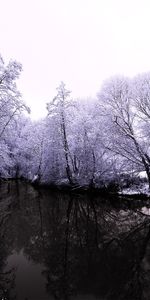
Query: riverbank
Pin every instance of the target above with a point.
(140, 191)
(136, 190)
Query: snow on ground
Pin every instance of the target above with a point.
(142, 174)
(145, 210)
(141, 189)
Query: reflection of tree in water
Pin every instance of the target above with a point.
(87, 246)
(7, 285)
(7, 279)
(9, 205)
(100, 251)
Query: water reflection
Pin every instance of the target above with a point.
(69, 246)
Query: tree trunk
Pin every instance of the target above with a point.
(94, 168)
(66, 149)
(145, 159)
(147, 169)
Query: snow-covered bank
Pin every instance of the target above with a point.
(136, 190)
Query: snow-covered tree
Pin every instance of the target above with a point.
(11, 103)
(11, 106)
(120, 101)
(57, 109)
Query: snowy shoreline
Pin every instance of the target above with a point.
(142, 189)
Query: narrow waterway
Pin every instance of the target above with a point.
(56, 245)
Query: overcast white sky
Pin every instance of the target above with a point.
(81, 42)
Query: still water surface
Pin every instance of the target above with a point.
(71, 246)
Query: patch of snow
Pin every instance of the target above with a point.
(35, 178)
(145, 210)
(141, 189)
(142, 174)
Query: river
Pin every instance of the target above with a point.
(71, 246)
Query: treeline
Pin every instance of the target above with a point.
(84, 142)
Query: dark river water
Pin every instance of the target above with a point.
(70, 246)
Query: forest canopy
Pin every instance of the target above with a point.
(91, 142)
